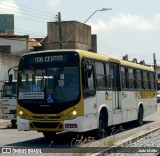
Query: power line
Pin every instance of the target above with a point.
(25, 14)
(39, 17)
(22, 32)
(112, 50)
(26, 11)
(31, 8)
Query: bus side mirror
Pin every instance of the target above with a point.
(10, 78)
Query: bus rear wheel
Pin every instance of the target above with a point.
(101, 131)
(140, 117)
(49, 135)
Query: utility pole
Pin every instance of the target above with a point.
(60, 31)
(154, 60)
(155, 65)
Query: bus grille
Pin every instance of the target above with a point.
(42, 117)
(45, 124)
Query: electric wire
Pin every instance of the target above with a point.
(36, 10)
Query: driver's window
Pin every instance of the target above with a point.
(88, 80)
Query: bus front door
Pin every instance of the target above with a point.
(116, 96)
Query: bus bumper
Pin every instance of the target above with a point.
(81, 124)
(22, 124)
(74, 125)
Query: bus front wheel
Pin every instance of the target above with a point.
(101, 131)
(49, 135)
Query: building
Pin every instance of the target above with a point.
(35, 44)
(13, 44)
(7, 23)
(70, 35)
(11, 48)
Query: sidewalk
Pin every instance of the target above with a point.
(4, 121)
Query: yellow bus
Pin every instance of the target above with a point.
(78, 91)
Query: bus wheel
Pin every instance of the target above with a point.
(49, 135)
(14, 123)
(100, 132)
(140, 116)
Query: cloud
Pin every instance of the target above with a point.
(127, 21)
(53, 3)
(7, 7)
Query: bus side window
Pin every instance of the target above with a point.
(88, 80)
(145, 80)
(131, 78)
(139, 79)
(100, 76)
(108, 76)
(152, 81)
(123, 78)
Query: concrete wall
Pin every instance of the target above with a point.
(19, 46)
(7, 61)
(75, 35)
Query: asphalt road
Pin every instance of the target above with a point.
(12, 137)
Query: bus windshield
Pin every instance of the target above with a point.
(52, 84)
(9, 90)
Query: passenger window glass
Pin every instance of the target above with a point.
(88, 80)
(100, 76)
(131, 78)
(123, 78)
(108, 76)
(139, 79)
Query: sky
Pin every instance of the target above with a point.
(132, 26)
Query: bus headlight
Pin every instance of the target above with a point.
(22, 115)
(20, 112)
(74, 112)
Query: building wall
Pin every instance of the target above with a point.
(7, 61)
(7, 23)
(74, 34)
(18, 45)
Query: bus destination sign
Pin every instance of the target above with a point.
(48, 59)
(58, 58)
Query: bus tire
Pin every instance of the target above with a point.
(14, 123)
(101, 131)
(140, 116)
(49, 135)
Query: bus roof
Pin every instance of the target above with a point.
(110, 59)
(136, 65)
(101, 57)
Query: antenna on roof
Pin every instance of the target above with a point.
(125, 57)
(142, 62)
(134, 60)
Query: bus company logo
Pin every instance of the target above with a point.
(45, 117)
(106, 95)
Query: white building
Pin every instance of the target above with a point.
(11, 48)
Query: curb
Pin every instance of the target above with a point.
(123, 144)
